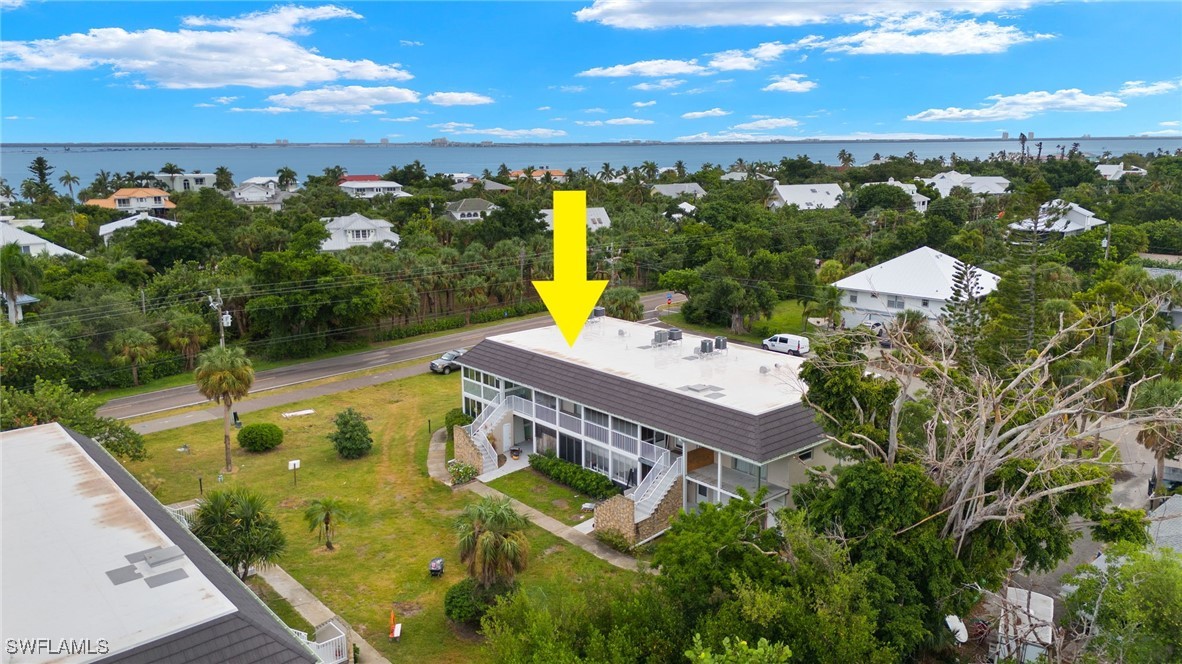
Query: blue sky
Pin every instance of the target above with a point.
(596, 70)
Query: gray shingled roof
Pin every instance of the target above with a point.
(1166, 530)
(251, 634)
(759, 438)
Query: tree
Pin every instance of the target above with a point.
(19, 274)
(826, 304)
(326, 515)
(623, 302)
(172, 170)
(1164, 439)
(186, 332)
(225, 375)
(287, 177)
(237, 528)
(740, 653)
(132, 346)
(41, 170)
(352, 438)
(69, 181)
(30, 352)
(223, 179)
(964, 314)
(55, 402)
(845, 158)
(472, 293)
(492, 541)
(883, 196)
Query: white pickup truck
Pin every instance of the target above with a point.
(793, 344)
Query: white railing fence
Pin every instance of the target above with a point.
(492, 412)
(647, 501)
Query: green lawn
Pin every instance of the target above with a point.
(280, 606)
(403, 517)
(545, 495)
(786, 317)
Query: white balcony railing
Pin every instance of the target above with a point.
(650, 451)
(570, 423)
(596, 432)
(624, 442)
(544, 414)
(662, 481)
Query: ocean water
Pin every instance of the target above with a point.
(247, 161)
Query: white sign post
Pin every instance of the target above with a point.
(293, 466)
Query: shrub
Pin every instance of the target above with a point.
(461, 472)
(352, 438)
(573, 475)
(613, 539)
(260, 437)
(455, 416)
(467, 601)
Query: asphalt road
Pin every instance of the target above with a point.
(162, 401)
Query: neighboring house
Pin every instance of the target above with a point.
(692, 189)
(360, 178)
(357, 230)
(1171, 309)
(269, 181)
(457, 178)
(6, 201)
(470, 209)
(371, 188)
(596, 218)
(136, 199)
(32, 244)
(186, 181)
(685, 208)
(1165, 524)
(106, 231)
(739, 176)
(120, 574)
(806, 196)
(991, 185)
(1061, 217)
(261, 192)
(675, 423)
(919, 200)
(22, 223)
(922, 280)
(1117, 171)
(489, 185)
(540, 174)
(22, 301)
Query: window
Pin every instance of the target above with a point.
(360, 234)
(748, 468)
(545, 400)
(625, 427)
(185, 184)
(596, 417)
(25, 249)
(805, 456)
(598, 458)
(894, 302)
(702, 490)
(924, 302)
(570, 408)
(122, 202)
(853, 298)
(492, 381)
(199, 181)
(158, 200)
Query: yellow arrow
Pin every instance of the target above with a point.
(570, 297)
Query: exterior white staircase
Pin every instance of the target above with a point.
(655, 486)
(478, 431)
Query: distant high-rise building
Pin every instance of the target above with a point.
(385, 141)
(1005, 135)
(1030, 135)
(356, 141)
(281, 141)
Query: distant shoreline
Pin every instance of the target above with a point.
(562, 145)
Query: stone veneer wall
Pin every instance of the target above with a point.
(466, 451)
(617, 513)
(668, 508)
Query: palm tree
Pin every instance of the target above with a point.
(472, 293)
(845, 158)
(325, 514)
(236, 527)
(1164, 439)
(68, 180)
(6, 189)
(492, 541)
(649, 168)
(606, 171)
(679, 166)
(826, 304)
(225, 375)
(172, 170)
(287, 177)
(19, 275)
(186, 332)
(223, 179)
(132, 346)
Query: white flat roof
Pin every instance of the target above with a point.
(731, 378)
(68, 533)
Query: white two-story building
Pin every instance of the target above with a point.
(678, 420)
(357, 230)
(806, 196)
(136, 199)
(371, 188)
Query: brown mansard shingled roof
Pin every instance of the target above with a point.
(759, 438)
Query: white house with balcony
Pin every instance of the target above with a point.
(674, 419)
(107, 231)
(136, 199)
(1114, 172)
(371, 188)
(917, 199)
(596, 218)
(806, 196)
(357, 230)
(1061, 218)
(922, 280)
(470, 209)
(187, 181)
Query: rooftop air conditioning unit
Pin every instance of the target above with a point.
(706, 347)
(598, 312)
(674, 334)
(660, 337)
(719, 343)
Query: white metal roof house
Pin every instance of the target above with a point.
(739, 176)
(1059, 216)
(357, 230)
(919, 200)
(106, 231)
(922, 280)
(489, 185)
(678, 419)
(186, 181)
(371, 188)
(1115, 172)
(21, 223)
(992, 185)
(32, 244)
(470, 209)
(806, 196)
(103, 564)
(692, 189)
(596, 218)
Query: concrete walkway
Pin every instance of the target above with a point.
(314, 611)
(437, 457)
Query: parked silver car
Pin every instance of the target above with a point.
(447, 362)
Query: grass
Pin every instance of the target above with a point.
(787, 317)
(280, 606)
(543, 494)
(404, 519)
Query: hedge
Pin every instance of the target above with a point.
(573, 475)
(260, 437)
(467, 601)
(445, 323)
(455, 416)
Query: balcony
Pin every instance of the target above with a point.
(732, 480)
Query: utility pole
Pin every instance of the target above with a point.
(1111, 334)
(224, 318)
(143, 302)
(1107, 241)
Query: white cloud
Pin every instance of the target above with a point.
(1162, 132)
(449, 127)
(712, 113)
(543, 108)
(205, 105)
(279, 20)
(1022, 106)
(224, 100)
(594, 110)
(408, 42)
(350, 99)
(647, 14)
(742, 137)
(18, 117)
(642, 104)
(572, 89)
(458, 99)
(1143, 89)
(187, 59)
(766, 123)
(268, 109)
(589, 123)
(737, 59)
(408, 118)
(648, 68)
(628, 121)
(926, 33)
(11, 4)
(663, 84)
(1169, 123)
(790, 83)
(498, 132)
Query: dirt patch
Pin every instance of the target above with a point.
(292, 503)
(404, 610)
(560, 503)
(557, 548)
(321, 550)
(465, 632)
